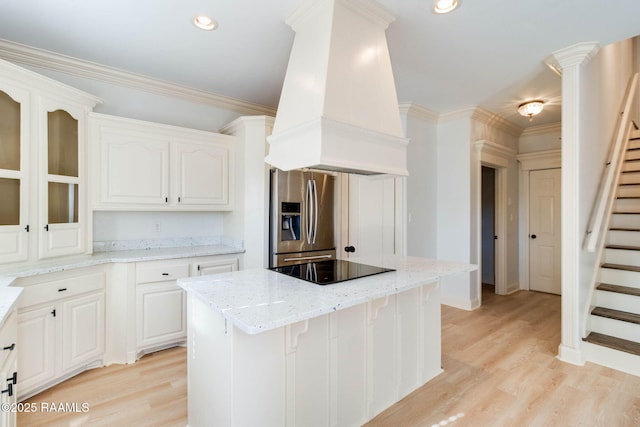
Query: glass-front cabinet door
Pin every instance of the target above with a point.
(61, 212)
(14, 186)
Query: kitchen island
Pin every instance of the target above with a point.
(271, 350)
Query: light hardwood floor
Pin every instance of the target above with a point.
(500, 370)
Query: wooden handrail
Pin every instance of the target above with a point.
(606, 196)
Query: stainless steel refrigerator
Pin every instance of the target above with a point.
(301, 217)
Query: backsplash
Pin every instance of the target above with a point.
(175, 242)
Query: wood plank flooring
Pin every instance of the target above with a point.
(500, 370)
(150, 392)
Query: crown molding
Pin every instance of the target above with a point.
(418, 111)
(491, 119)
(243, 122)
(27, 55)
(540, 160)
(542, 129)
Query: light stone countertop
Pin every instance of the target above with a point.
(7, 275)
(258, 300)
(9, 295)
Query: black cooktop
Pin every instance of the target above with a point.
(331, 271)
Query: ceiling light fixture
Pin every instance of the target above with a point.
(531, 108)
(205, 23)
(445, 6)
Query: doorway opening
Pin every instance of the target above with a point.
(488, 228)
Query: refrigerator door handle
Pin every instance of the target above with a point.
(315, 220)
(309, 211)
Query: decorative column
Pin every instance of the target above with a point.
(568, 63)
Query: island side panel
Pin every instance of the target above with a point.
(234, 379)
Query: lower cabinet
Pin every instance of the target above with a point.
(62, 335)
(8, 371)
(161, 319)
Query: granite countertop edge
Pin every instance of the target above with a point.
(256, 310)
(9, 275)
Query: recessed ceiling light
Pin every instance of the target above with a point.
(445, 6)
(205, 23)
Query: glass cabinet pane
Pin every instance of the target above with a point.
(10, 206)
(62, 143)
(9, 133)
(63, 203)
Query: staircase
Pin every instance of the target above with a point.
(614, 321)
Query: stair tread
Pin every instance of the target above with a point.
(620, 267)
(613, 342)
(610, 313)
(624, 247)
(627, 290)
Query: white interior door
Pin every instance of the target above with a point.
(544, 231)
(372, 215)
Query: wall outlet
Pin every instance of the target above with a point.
(158, 227)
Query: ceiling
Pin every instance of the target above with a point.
(487, 53)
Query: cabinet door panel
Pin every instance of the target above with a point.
(82, 331)
(161, 313)
(14, 172)
(36, 344)
(135, 169)
(202, 174)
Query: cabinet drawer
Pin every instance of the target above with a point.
(8, 337)
(58, 289)
(161, 273)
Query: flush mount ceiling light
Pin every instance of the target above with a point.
(445, 6)
(530, 108)
(205, 23)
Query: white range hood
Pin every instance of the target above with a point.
(338, 109)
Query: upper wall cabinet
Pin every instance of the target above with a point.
(43, 166)
(149, 166)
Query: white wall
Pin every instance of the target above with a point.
(421, 189)
(540, 138)
(604, 81)
(453, 207)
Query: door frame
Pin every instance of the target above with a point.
(497, 157)
(548, 159)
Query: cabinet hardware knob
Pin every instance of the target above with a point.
(165, 274)
(13, 378)
(166, 200)
(9, 390)
(46, 227)
(62, 289)
(349, 249)
(54, 312)
(533, 236)
(10, 347)
(27, 228)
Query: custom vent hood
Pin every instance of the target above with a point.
(338, 109)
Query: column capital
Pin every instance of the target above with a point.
(575, 55)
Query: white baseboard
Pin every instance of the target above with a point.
(570, 355)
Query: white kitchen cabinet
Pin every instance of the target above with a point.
(8, 369)
(42, 167)
(161, 303)
(36, 336)
(214, 265)
(149, 166)
(61, 327)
